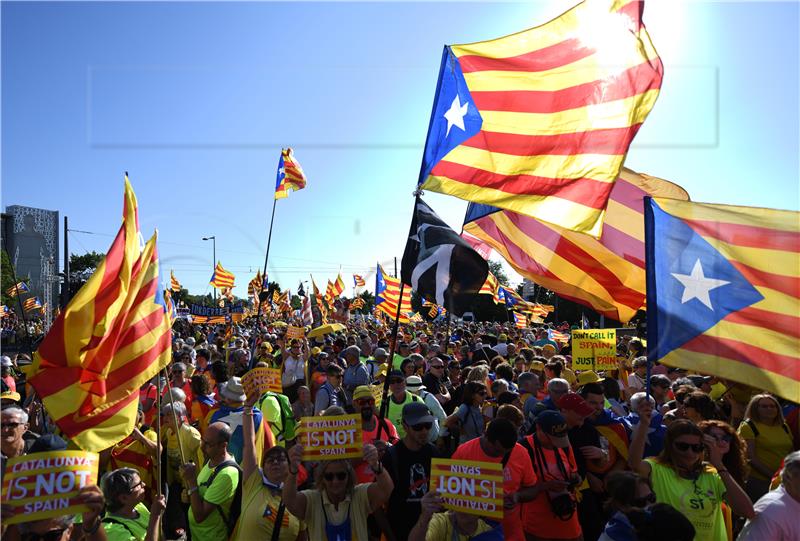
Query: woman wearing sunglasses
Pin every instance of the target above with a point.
(627, 493)
(127, 517)
(681, 478)
(337, 508)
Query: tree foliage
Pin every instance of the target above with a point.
(496, 268)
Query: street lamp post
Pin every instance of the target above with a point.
(213, 240)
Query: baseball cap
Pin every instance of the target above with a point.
(537, 366)
(575, 402)
(415, 413)
(554, 425)
(362, 391)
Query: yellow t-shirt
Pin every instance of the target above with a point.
(357, 505)
(190, 439)
(440, 528)
(772, 445)
(259, 512)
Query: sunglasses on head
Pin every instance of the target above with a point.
(52, 535)
(339, 476)
(683, 446)
(645, 500)
(421, 426)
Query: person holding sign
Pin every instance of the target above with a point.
(127, 518)
(337, 508)
(434, 524)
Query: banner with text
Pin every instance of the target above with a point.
(44, 485)
(594, 349)
(330, 438)
(262, 379)
(293, 332)
(469, 487)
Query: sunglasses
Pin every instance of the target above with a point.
(10, 425)
(421, 426)
(683, 446)
(364, 401)
(339, 476)
(52, 535)
(645, 501)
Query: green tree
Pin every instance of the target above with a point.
(81, 268)
(496, 268)
(7, 276)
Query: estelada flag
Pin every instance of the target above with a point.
(20, 287)
(113, 336)
(387, 296)
(358, 280)
(539, 122)
(222, 279)
(290, 175)
(520, 321)
(722, 292)
(175, 285)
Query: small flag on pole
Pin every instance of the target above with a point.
(290, 175)
(174, 284)
(21, 287)
(31, 304)
(221, 278)
(358, 280)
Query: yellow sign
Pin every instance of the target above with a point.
(262, 379)
(330, 438)
(469, 487)
(293, 332)
(377, 394)
(594, 349)
(44, 485)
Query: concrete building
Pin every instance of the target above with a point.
(30, 237)
(528, 289)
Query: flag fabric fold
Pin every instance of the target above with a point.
(222, 279)
(290, 175)
(605, 274)
(440, 265)
(112, 337)
(723, 293)
(539, 122)
(174, 284)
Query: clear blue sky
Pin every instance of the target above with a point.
(195, 100)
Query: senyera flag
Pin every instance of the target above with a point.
(722, 292)
(290, 175)
(605, 274)
(113, 336)
(539, 122)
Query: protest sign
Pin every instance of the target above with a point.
(594, 349)
(470, 487)
(330, 438)
(294, 332)
(377, 394)
(262, 379)
(44, 485)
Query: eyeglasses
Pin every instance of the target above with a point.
(364, 401)
(277, 459)
(645, 500)
(394, 381)
(339, 476)
(421, 426)
(683, 446)
(12, 426)
(137, 485)
(52, 535)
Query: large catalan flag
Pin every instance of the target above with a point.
(20, 287)
(113, 336)
(605, 274)
(34, 303)
(290, 175)
(723, 292)
(387, 296)
(539, 122)
(221, 279)
(174, 284)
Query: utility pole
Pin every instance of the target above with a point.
(65, 286)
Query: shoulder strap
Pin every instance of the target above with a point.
(276, 528)
(752, 426)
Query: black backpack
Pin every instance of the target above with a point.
(236, 504)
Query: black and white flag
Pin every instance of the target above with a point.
(440, 265)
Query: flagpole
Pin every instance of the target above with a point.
(21, 309)
(263, 279)
(392, 345)
(174, 417)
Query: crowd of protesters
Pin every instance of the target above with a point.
(636, 453)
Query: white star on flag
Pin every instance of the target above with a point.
(697, 286)
(455, 115)
(233, 420)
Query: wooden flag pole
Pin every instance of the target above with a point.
(175, 418)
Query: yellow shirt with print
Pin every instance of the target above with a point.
(260, 511)
(440, 528)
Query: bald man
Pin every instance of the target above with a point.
(211, 492)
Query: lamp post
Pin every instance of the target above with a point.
(213, 240)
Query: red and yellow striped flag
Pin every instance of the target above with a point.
(539, 122)
(490, 286)
(357, 303)
(605, 274)
(338, 285)
(290, 175)
(520, 320)
(358, 280)
(254, 285)
(31, 304)
(174, 284)
(387, 296)
(221, 278)
(112, 337)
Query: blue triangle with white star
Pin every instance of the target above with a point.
(696, 286)
(454, 118)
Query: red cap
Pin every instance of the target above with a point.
(575, 402)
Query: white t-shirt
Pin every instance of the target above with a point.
(777, 518)
(293, 369)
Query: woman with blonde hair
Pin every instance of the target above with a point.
(768, 441)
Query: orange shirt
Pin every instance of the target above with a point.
(517, 473)
(537, 516)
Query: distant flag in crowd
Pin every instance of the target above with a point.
(170, 305)
(605, 274)
(414, 317)
(722, 292)
(221, 278)
(20, 287)
(387, 296)
(34, 303)
(558, 336)
(290, 175)
(490, 286)
(276, 296)
(440, 265)
(227, 293)
(539, 122)
(584, 322)
(174, 284)
(306, 313)
(520, 321)
(300, 291)
(254, 286)
(357, 303)
(512, 298)
(330, 294)
(4, 311)
(338, 286)
(113, 336)
(358, 280)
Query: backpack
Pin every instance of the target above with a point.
(288, 428)
(236, 503)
